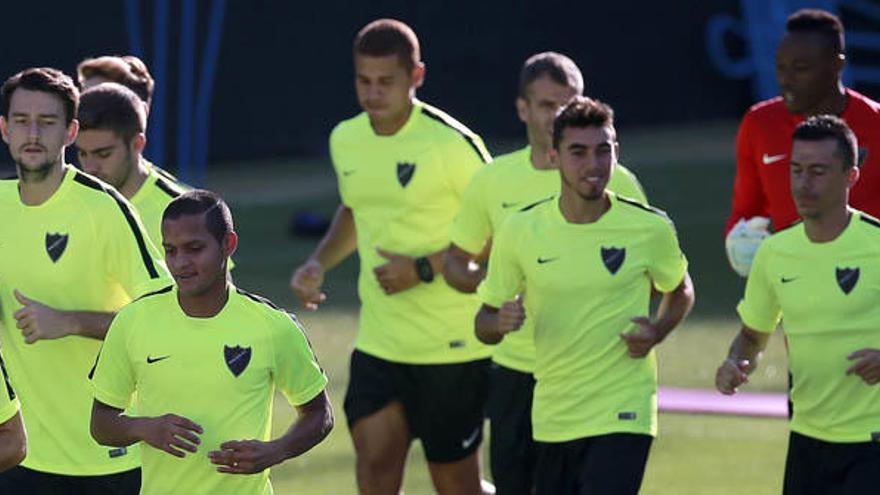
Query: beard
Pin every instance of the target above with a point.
(36, 174)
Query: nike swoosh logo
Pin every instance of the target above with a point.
(786, 280)
(151, 360)
(346, 173)
(467, 442)
(767, 159)
(547, 260)
(508, 205)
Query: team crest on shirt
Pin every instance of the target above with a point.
(847, 278)
(237, 358)
(405, 171)
(55, 245)
(613, 258)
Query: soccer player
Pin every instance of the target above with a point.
(72, 252)
(809, 64)
(417, 370)
(13, 440)
(822, 276)
(581, 266)
(201, 361)
(110, 144)
(514, 182)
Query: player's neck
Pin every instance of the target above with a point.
(135, 179)
(541, 158)
(829, 226)
(394, 123)
(833, 104)
(576, 209)
(207, 304)
(35, 190)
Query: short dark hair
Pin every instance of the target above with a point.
(820, 22)
(218, 218)
(561, 69)
(581, 112)
(112, 107)
(821, 127)
(46, 80)
(126, 70)
(384, 37)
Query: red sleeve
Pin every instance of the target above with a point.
(748, 196)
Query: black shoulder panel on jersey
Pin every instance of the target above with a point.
(129, 217)
(259, 299)
(641, 206)
(482, 152)
(870, 220)
(163, 290)
(536, 203)
(9, 389)
(168, 187)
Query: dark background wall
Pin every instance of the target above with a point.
(284, 75)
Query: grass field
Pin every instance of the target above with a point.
(688, 172)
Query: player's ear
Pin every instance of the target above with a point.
(554, 156)
(138, 143)
(4, 128)
(418, 75)
(230, 243)
(72, 131)
(522, 109)
(852, 176)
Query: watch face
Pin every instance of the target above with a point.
(424, 269)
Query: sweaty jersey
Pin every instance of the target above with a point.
(82, 249)
(763, 157)
(9, 404)
(510, 184)
(220, 372)
(152, 198)
(826, 294)
(582, 283)
(404, 190)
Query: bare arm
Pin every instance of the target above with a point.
(171, 433)
(38, 321)
(314, 423)
(338, 243)
(461, 269)
(742, 359)
(13, 442)
(674, 307)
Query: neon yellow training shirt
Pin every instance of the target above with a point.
(510, 184)
(83, 249)
(220, 372)
(582, 284)
(404, 191)
(153, 197)
(827, 296)
(9, 404)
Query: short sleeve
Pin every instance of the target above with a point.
(759, 308)
(113, 379)
(132, 259)
(668, 263)
(625, 183)
(504, 278)
(472, 227)
(9, 404)
(297, 372)
(463, 157)
(334, 159)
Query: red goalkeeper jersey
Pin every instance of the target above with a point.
(763, 149)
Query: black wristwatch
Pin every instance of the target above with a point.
(424, 269)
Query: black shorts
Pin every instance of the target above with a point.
(443, 402)
(814, 466)
(21, 480)
(613, 464)
(512, 451)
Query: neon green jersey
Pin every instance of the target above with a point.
(826, 293)
(511, 183)
(404, 191)
(9, 404)
(152, 198)
(221, 372)
(82, 249)
(582, 283)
